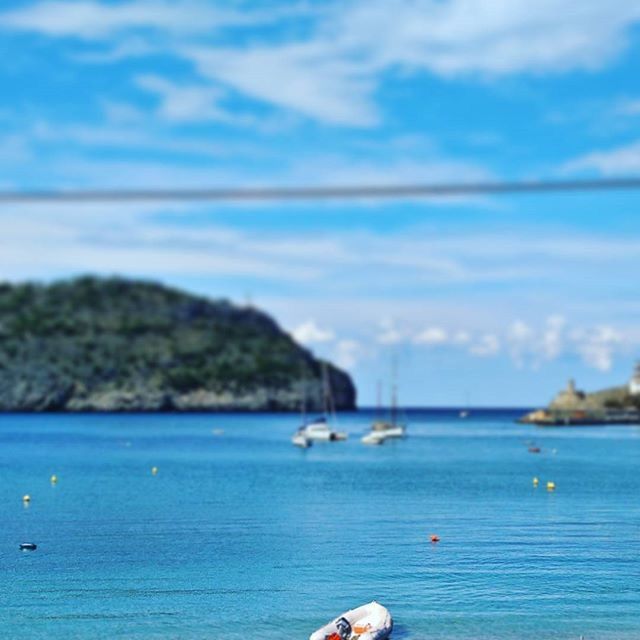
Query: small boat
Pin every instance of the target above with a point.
(464, 414)
(369, 622)
(534, 449)
(299, 439)
(28, 546)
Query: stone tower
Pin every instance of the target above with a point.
(634, 383)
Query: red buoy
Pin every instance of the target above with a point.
(435, 538)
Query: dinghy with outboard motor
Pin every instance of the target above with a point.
(371, 621)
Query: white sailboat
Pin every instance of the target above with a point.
(464, 413)
(319, 429)
(371, 621)
(382, 430)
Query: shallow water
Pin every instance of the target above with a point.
(241, 535)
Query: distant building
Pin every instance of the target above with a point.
(569, 398)
(634, 383)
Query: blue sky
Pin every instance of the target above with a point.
(497, 300)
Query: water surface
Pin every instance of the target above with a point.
(241, 535)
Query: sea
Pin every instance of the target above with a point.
(241, 535)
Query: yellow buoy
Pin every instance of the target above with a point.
(54, 478)
(551, 486)
(26, 498)
(535, 482)
(154, 471)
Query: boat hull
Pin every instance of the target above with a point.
(300, 440)
(373, 438)
(371, 621)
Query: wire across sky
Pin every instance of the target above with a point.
(316, 193)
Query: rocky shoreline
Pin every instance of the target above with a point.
(573, 407)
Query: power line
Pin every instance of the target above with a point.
(369, 192)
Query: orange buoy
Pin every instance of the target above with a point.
(434, 538)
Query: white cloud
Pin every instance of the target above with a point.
(488, 345)
(183, 103)
(124, 133)
(99, 20)
(432, 336)
(597, 347)
(333, 76)
(490, 36)
(333, 71)
(310, 78)
(461, 338)
(529, 347)
(615, 161)
(309, 333)
(92, 239)
(189, 103)
(628, 107)
(348, 353)
(552, 338)
(389, 334)
(519, 338)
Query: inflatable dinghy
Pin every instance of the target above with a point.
(368, 622)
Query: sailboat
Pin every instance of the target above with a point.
(319, 429)
(464, 413)
(382, 430)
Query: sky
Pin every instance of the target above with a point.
(492, 300)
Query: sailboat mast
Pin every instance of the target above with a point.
(303, 396)
(394, 404)
(394, 391)
(329, 407)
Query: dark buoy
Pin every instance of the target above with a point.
(28, 546)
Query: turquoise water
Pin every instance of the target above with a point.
(241, 535)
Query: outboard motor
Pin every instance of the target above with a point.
(344, 628)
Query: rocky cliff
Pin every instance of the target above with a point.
(117, 345)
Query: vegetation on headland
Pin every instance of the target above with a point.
(95, 344)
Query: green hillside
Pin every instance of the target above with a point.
(95, 344)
